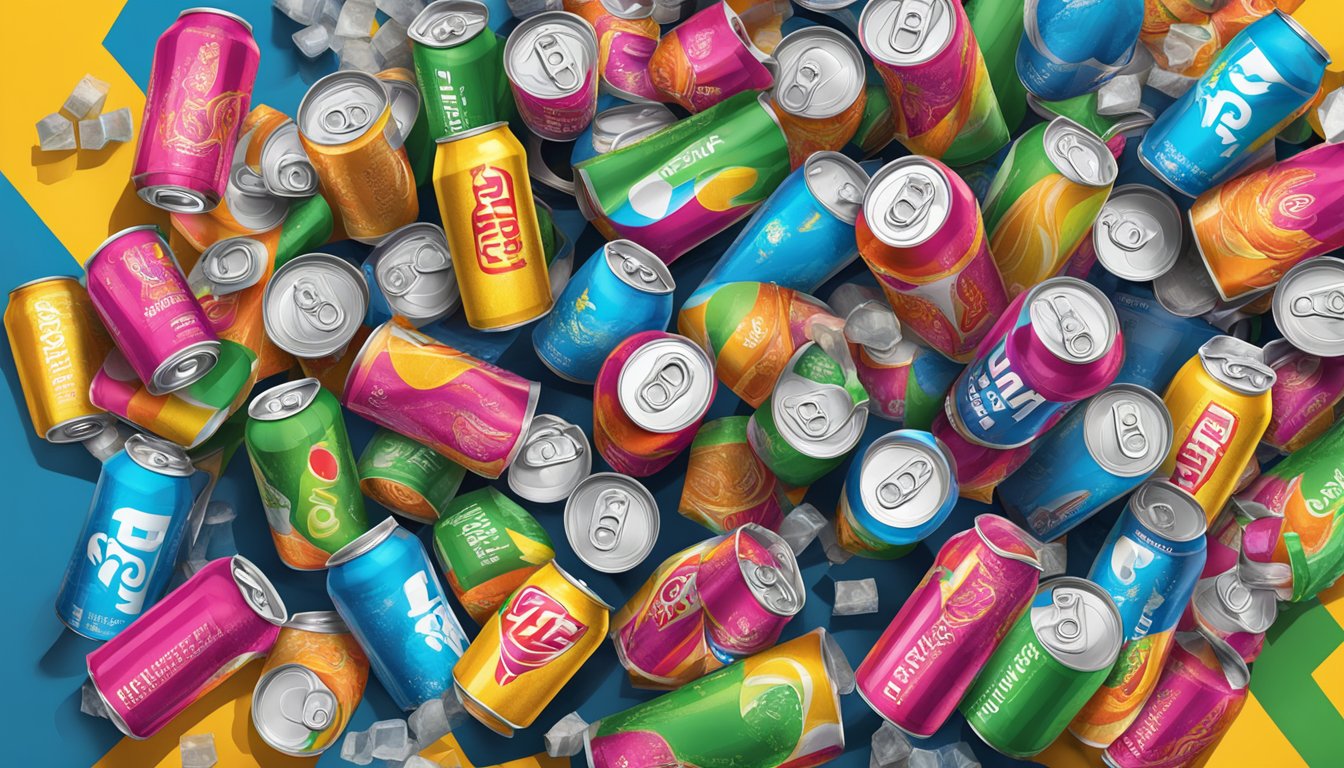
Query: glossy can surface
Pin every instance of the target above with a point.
(906, 380)
(626, 40)
(819, 92)
(551, 62)
(1305, 398)
(726, 484)
(707, 59)
(750, 585)
(1072, 47)
(898, 490)
(980, 468)
(407, 477)
(457, 61)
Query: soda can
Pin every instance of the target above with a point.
(659, 634)
(1149, 564)
(314, 305)
(877, 126)
(1068, 48)
(981, 581)
(615, 125)
(690, 181)
(489, 217)
(1047, 666)
(1101, 451)
(707, 59)
(57, 348)
(414, 272)
(487, 546)
(906, 381)
(626, 40)
(651, 394)
(468, 410)
(819, 92)
(621, 290)
(1138, 234)
(898, 490)
(1306, 396)
(980, 469)
(200, 84)
(726, 485)
(457, 66)
(1044, 199)
(351, 134)
(555, 458)
(333, 370)
(750, 585)
(384, 588)
(310, 685)
(1220, 405)
(1309, 306)
(270, 148)
(1157, 342)
(551, 62)
(941, 98)
(189, 643)
(1239, 603)
(1202, 690)
(408, 478)
(540, 637)
(142, 298)
(922, 236)
(1264, 79)
(611, 522)
(780, 707)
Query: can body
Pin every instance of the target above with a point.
(899, 489)
(457, 60)
(1070, 48)
(624, 48)
(200, 87)
(980, 468)
(750, 586)
(407, 477)
(726, 484)
(707, 59)
(551, 61)
(659, 634)
(908, 390)
(1305, 397)
(1157, 342)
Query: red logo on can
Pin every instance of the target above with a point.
(534, 631)
(494, 221)
(1203, 449)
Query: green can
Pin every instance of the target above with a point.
(998, 27)
(306, 229)
(487, 546)
(1046, 668)
(305, 471)
(458, 66)
(408, 477)
(1083, 111)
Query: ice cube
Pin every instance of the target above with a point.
(430, 722)
(313, 41)
(90, 703)
(391, 46)
(891, 747)
(356, 19)
(357, 748)
(957, 755)
(800, 527)
(107, 443)
(856, 597)
(331, 11)
(391, 740)
(303, 11)
(87, 99)
(1168, 82)
(524, 8)
(55, 132)
(416, 761)
(1331, 113)
(565, 738)
(117, 125)
(835, 553)
(1183, 43)
(358, 54)
(923, 758)
(842, 672)
(91, 134)
(847, 296)
(402, 11)
(1054, 559)
(1120, 95)
(198, 750)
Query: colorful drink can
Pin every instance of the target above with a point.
(555, 458)
(1138, 234)
(200, 84)
(1048, 665)
(141, 295)
(921, 234)
(615, 125)
(311, 683)
(384, 588)
(271, 149)
(980, 469)
(727, 486)
(1069, 48)
(1262, 80)
(551, 62)
(488, 545)
(530, 647)
(1306, 396)
(898, 490)
(906, 381)
(626, 40)
(621, 290)
(457, 66)
(611, 522)
(190, 642)
(407, 477)
(659, 634)
(58, 348)
(707, 59)
(1309, 306)
(819, 92)
(414, 272)
(314, 305)
(980, 583)
(750, 585)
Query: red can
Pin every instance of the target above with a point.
(200, 88)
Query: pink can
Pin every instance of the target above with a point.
(1306, 396)
(551, 63)
(141, 295)
(750, 586)
(200, 88)
(979, 468)
(659, 634)
(708, 58)
(191, 641)
(980, 583)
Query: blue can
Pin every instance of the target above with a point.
(384, 587)
(1071, 47)
(1157, 343)
(898, 490)
(1256, 85)
(1102, 450)
(125, 555)
(621, 290)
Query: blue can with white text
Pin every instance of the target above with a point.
(1071, 47)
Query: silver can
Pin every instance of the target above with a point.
(414, 271)
(251, 204)
(230, 266)
(314, 305)
(551, 62)
(554, 459)
(1309, 306)
(1138, 233)
(611, 522)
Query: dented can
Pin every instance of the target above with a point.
(414, 272)
(555, 458)
(750, 585)
(271, 150)
(819, 92)
(626, 40)
(411, 479)
(906, 381)
(1068, 49)
(726, 484)
(551, 62)
(899, 489)
(314, 305)
(1306, 396)
(707, 59)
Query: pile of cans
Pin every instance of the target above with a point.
(1067, 303)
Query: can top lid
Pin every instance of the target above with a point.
(638, 268)
(285, 166)
(666, 385)
(1168, 511)
(1138, 234)
(625, 124)
(319, 622)
(366, 542)
(1186, 290)
(1006, 539)
(289, 704)
(341, 107)
(39, 280)
(611, 521)
(414, 271)
(1309, 306)
(159, 456)
(837, 182)
(284, 400)
(554, 458)
(1079, 154)
(1077, 623)
(906, 32)
(257, 590)
(314, 305)
(908, 201)
(1127, 429)
(821, 73)
(906, 479)
(1074, 320)
(778, 585)
(449, 23)
(629, 9)
(551, 54)
(218, 12)
(818, 420)
(1228, 603)
(233, 264)
(1238, 365)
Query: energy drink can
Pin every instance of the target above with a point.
(408, 478)
(1069, 48)
(899, 489)
(906, 381)
(1309, 306)
(555, 458)
(314, 305)
(457, 66)
(611, 522)
(819, 92)
(551, 62)
(727, 486)
(708, 59)
(750, 585)
(414, 272)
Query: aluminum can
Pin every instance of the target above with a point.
(899, 489)
(688, 182)
(1021, 382)
(539, 637)
(708, 59)
(488, 546)
(472, 412)
(312, 681)
(1309, 306)
(1048, 665)
(270, 148)
(906, 381)
(980, 468)
(1220, 405)
(1043, 200)
(1149, 564)
(1069, 48)
(1306, 396)
(727, 486)
(351, 134)
(1101, 451)
(414, 272)
(314, 304)
(998, 29)
(780, 707)
(125, 553)
(922, 236)
(489, 217)
(457, 66)
(616, 125)
(621, 290)
(1260, 82)
(1237, 596)
(141, 295)
(551, 62)
(877, 127)
(819, 92)
(190, 642)
(1202, 690)
(941, 98)
(750, 585)
(981, 581)
(1138, 234)
(200, 86)
(659, 634)
(1157, 342)
(555, 458)
(408, 478)
(611, 522)
(384, 588)
(651, 394)
(58, 348)
(626, 40)
(333, 370)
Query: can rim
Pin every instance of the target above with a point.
(40, 280)
(1304, 34)
(419, 40)
(1091, 587)
(119, 234)
(364, 543)
(218, 12)
(322, 84)
(264, 731)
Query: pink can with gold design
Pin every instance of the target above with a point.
(708, 58)
(1306, 397)
(551, 62)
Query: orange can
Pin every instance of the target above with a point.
(236, 313)
(626, 39)
(820, 91)
(530, 648)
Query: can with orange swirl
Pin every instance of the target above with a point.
(626, 39)
(727, 485)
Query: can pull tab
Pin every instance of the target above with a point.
(632, 266)
(549, 447)
(452, 25)
(849, 192)
(1129, 430)
(772, 588)
(1077, 335)
(798, 92)
(668, 382)
(347, 118)
(1068, 621)
(902, 485)
(915, 20)
(311, 299)
(1232, 592)
(1071, 149)
(1254, 373)
(227, 265)
(1326, 302)
(318, 709)
(613, 506)
(255, 594)
(818, 413)
(912, 204)
(1129, 231)
(557, 62)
